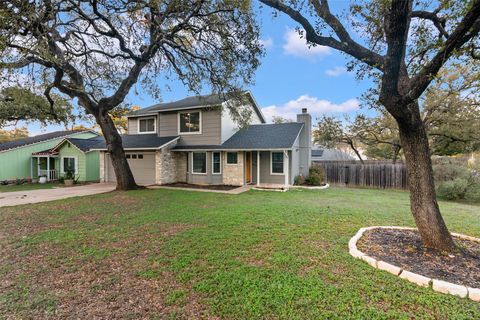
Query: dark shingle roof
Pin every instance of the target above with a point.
(195, 101)
(317, 153)
(138, 141)
(192, 102)
(256, 137)
(39, 138)
(265, 136)
(86, 144)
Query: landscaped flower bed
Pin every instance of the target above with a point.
(400, 251)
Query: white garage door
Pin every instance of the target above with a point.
(142, 165)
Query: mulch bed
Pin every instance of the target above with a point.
(403, 248)
(222, 187)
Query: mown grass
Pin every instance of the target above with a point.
(26, 187)
(196, 255)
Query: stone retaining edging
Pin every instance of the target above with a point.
(326, 186)
(435, 284)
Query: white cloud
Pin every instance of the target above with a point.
(335, 72)
(296, 46)
(315, 106)
(266, 43)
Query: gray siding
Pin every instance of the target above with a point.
(265, 176)
(211, 128)
(207, 178)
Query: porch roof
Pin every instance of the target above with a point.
(45, 153)
(139, 142)
(256, 137)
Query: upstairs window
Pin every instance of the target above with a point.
(146, 125)
(189, 122)
(276, 165)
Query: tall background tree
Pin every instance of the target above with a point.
(405, 44)
(22, 105)
(95, 51)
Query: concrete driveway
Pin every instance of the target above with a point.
(43, 195)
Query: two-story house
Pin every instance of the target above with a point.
(195, 140)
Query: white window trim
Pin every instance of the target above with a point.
(271, 166)
(147, 132)
(226, 159)
(217, 173)
(189, 161)
(206, 164)
(199, 119)
(69, 157)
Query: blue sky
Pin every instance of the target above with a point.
(290, 77)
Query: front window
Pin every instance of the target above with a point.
(232, 158)
(146, 125)
(69, 164)
(189, 122)
(277, 162)
(216, 163)
(199, 162)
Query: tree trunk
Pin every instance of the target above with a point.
(358, 155)
(423, 201)
(125, 180)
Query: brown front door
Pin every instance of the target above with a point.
(248, 164)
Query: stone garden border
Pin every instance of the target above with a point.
(435, 284)
(326, 186)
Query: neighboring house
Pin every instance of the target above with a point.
(319, 154)
(46, 155)
(195, 140)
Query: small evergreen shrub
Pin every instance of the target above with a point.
(316, 176)
(454, 189)
(298, 180)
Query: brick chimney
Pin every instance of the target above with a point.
(305, 141)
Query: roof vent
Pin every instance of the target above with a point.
(304, 110)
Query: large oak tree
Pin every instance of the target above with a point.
(95, 51)
(405, 44)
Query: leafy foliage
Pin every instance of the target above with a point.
(316, 176)
(20, 104)
(455, 180)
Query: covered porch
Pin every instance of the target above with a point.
(44, 164)
(269, 169)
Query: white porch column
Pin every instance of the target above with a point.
(48, 168)
(286, 167)
(31, 167)
(258, 168)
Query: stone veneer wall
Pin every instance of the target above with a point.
(102, 166)
(233, 173)
(165, 167)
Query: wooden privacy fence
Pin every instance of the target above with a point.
(376, 174)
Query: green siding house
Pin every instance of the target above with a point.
(35, 156)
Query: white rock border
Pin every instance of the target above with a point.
(435, 284)
(326, 186)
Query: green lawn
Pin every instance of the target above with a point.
(25, 187)
(177, 254)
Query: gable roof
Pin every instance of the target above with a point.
(139, 141)
(256, 137)
(265, 136)
(39, 138)
(83, 145)
(194, 102)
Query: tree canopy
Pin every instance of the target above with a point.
(20, 104)
(96, 51)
